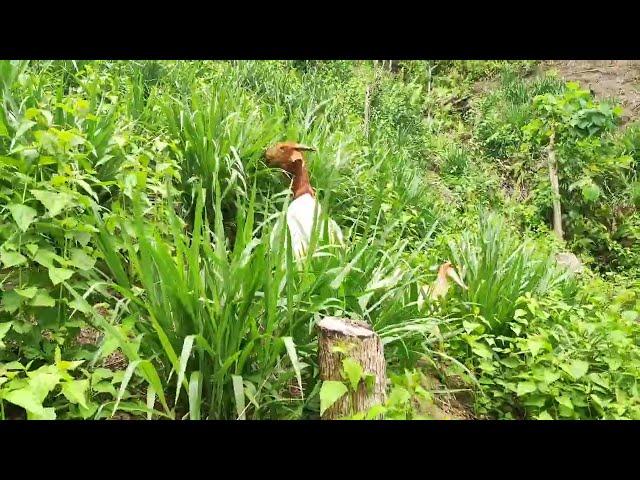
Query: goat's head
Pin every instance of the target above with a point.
(285, 154)
(448, 270)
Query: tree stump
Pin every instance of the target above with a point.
(364, 346)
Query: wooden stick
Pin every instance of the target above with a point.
(555, 188)
(367, 110)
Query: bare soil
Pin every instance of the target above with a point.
(607, 79)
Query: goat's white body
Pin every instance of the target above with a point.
(300, 218)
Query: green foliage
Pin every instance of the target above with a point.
(596, 165)
(134, 201)
(60, 390)
(499, 267)
(503, 113)
(559, 359)
(408, 398)
(330, 392)
(593, 168)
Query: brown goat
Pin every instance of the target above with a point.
(288, 156)
(302, 210)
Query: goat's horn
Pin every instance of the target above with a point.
(302, 147)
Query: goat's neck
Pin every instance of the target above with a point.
(301, 183)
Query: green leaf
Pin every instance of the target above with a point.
(25, 398)
(23, 215)
(58, 275)
(23, 128)
(187, 345)
(565, 401)
(81, 260)
(534, 345)
(195, 399)
(65, 365)
(43, 299)
(81, 305)
(601, 402)
(250, 392)
(482, 350)
(519, 313)
(399, 396)
(89, 410)
(614, 363)
(337, 281)
(46, 257)
(54, 202)
(535, 401)
(238, 393)
(577, 368)
(151, 400)
(630, 315)
(470, 326)
(11, 301)
(599, 380)
(105, 387)
(100, 374)
(48, 413)
(550, 376)
(15, 365)
(544, 416)
(590, 192)
(511, 362)
(12, 259)
(375, 412)
(353, 371)
(4, 329)
(128, 373)
(44, 380)
(525, 387)
(330, 392)
(76, 391)
(28, 292)
(293, 356)
(87, 188)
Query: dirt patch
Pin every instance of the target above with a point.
(448, 405)
(88, 336)
(485, 85)
(452, 400)
(607, 79)
(115, 361)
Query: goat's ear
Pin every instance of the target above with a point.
(304, 148)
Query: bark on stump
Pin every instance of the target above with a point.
(364, 346)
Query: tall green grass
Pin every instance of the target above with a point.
(499, 267)
(221, 324)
